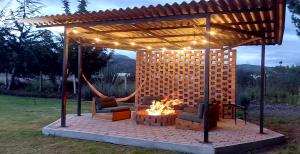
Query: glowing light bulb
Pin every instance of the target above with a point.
(149, 47)
(75, 31)
(97, 40)
(194, 42)
(116, 43)
(212, 33)
(204, 41)
(189, 47)
(132, 44)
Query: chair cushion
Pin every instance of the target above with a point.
(113, 109)
(107, 102)
(147, 100)
(190, 117)
(180, 106)
(190, 110)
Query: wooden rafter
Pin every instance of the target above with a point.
(155, 35)
(184, 27)
(109, 36)
(242, 43)
(222, 27)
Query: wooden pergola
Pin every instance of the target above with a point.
(213, 24)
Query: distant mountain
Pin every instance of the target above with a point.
(124, 62)
(251, 68)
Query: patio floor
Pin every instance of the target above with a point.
(227, 138)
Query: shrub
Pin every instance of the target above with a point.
(244, 101)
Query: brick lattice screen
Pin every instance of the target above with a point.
(180, 74)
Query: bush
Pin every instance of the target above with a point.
(244, 101)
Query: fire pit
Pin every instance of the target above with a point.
(159, 114)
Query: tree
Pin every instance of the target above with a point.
(280, 63)
(82, 6)
(66, 6)
(19, 39)
(294, 7)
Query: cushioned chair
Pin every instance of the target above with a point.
(192, 118)
(147, 101)
(108, 108)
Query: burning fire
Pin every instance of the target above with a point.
(163, 107)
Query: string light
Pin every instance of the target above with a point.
(97, 39)
(212, 33)
(116, 43)
(132, 44)
(75, 31)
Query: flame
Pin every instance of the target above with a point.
(163, 107)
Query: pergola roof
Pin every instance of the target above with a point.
(176, 26)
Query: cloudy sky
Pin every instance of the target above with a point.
(288, 52)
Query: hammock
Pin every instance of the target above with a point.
(99, 94)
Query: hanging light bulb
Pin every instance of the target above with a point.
(194, 42)
(189, 47)
(75, 31)
(204, 41)
(149, 47)
(132, 44)
(116, 43)
(97, 39)
(212, 33)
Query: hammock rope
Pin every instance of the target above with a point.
(99, 94)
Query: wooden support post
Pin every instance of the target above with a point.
(262, 89)
(41, 82)
(79, 79)
(64, 78)
(6, 79)
(206, 92)
(74, 83)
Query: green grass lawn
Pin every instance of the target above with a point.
(21, 121)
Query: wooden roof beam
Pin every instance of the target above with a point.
(165, 36)
(186, 26)
(222, 27)
(109, 36)
(155, 35)
(144, 20)
(242, 43)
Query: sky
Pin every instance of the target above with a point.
(288, 52)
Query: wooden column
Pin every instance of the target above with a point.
(262, 90)
(6, 80)
(206, 92)
(64, 79)
(79, 79)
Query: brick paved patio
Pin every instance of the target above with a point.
(227, 138)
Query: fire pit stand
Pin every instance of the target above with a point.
(143, 118)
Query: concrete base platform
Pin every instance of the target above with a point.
(227, 138)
